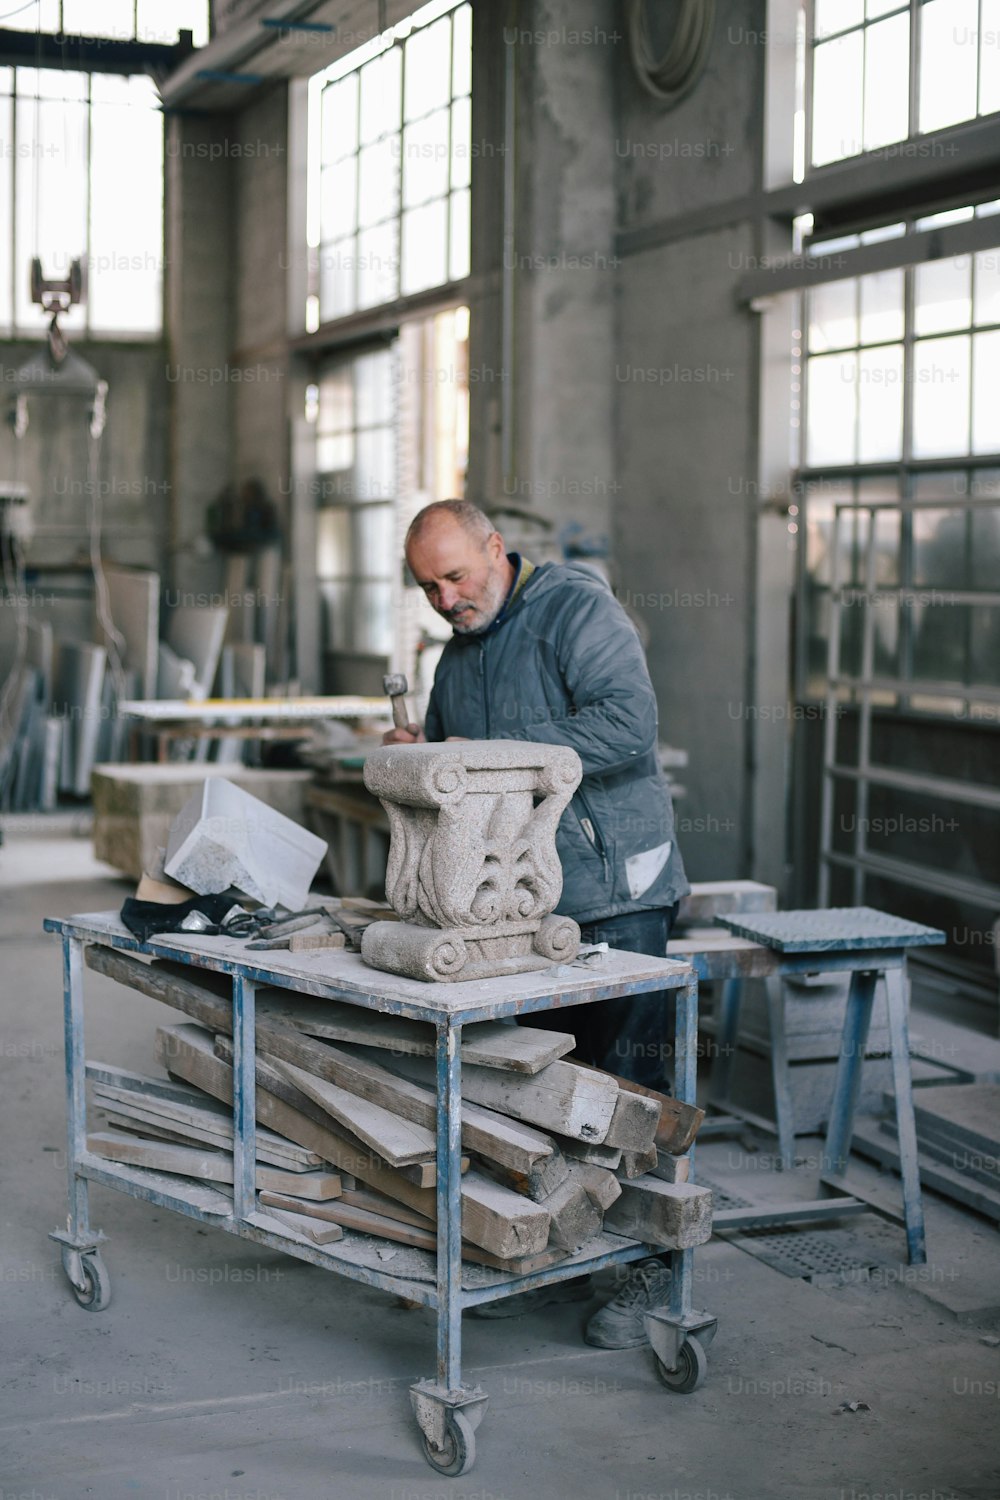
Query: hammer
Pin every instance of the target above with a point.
(395, 685)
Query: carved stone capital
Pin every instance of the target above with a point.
(472, 855)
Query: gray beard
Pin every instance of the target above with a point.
(487, 614)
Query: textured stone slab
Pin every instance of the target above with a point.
(837, 929)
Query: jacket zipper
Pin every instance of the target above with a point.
(598, 837)
(482, 684)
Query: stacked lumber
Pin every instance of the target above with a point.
(553, 1152)
(958, 1141)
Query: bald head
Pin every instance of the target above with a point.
(461, 563)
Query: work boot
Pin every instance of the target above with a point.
(580, 1289)
(619, 1325)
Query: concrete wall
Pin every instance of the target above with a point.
(684, 376)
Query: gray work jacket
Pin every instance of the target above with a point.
(563, 665)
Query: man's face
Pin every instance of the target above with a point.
(464, 579)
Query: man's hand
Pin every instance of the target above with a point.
(411, 735)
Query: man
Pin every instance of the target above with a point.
(548, 655)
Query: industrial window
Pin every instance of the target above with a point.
(389, 166)
(81, 174)
(114, 20)
(901, 371)
(879, 72)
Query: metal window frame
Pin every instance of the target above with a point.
(400, 297)
(865, 685)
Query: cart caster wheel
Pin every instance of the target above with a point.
(691, 1369)
(96, 1294)
(459, 1452)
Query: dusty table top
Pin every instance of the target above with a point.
(334, 974)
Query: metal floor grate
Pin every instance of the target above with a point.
(810, 1254)
(722, 1197)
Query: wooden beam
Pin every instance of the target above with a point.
(209, 1166)
(399, 1141)
(674, 1215)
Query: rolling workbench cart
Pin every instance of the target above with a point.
(447, 1411)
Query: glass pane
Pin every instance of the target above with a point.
(888, 534)
(336, 401)
(987, 287)
(986, 393)
(830, 16)
(373, 384)
(461, 66)
(336, 599)
(104, 18)
(425, 237)
(939, 650)
(989, 57)
(335, 455)
(837, 75)
(943, 295)
(378, 264)
(985, 664)
(948, 62)
(426, 163)
(875, 8)
(985, 569)
(461, 206)
(337, 268)
(126, 229)
(881, 307)
(162, 20)
(375, 467)
(428, 68)
(37, 15)
(340, 118)
(375, 541)
(461, 143)
(833, 322)
(880, 406)
(333, 542)
(832, 385)
(939, 549)
(338, 198)
(887, 82)
(373, 617)
(380, 90)
(378, 195)
(940, 397)
(819, 503)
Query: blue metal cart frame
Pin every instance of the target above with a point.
(447, 1411)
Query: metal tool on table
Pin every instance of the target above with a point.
(396, 686)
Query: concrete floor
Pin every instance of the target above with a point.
(220, 1372)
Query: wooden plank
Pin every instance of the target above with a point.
(608, 1157)
(492, 1217)
(708, 899)
(638, 1163)
(575, 1101)
(309, 1228)
(147, 1132)
(208, 1165)
(421, 1173)
(671, 1168)
(600, 1185)
(491, 1044)
(378, 1203)
(536, 1183)
(574, 1217)
(635, 1122)
(679, 1123)
(362, 1219)
(214, 1125)
(674, 1215)
(481, 1132)
(937, 1175)
(398, 1141)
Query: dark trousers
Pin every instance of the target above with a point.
(633, 1035)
